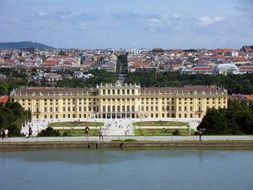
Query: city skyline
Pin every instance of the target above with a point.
(131, 24)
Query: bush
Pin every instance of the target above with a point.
(49, 132)
(176, 133)
(65, 134)
(14, 131)
(129, 140)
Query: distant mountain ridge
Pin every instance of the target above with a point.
(24, 44)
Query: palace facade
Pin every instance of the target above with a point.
(120, 101)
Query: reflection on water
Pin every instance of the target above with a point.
(176, 168)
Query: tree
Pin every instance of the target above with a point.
(4, 88)
(214, 123)
(237, 119)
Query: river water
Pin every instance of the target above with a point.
(175, 169)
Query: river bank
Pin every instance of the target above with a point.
(124, 144)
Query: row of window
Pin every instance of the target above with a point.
(152, 115)
(73, 100)
(118, 92)
(119, 108)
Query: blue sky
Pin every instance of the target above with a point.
(128, 23)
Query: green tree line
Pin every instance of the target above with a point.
(235, 84)
(12, 117)
(236, 120)
(100, 76)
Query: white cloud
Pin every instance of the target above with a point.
(165, 22)
(207, 20)
(42, 14)
(83, 25)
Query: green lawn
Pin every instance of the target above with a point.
(76, 124)
(160, 123)
(160, 132)
(78, 132)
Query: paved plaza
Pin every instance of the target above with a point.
(111, 126)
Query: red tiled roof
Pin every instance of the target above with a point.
(246, 68)
(249, 97)
(202, 69)
(51, 62)
(4, 99)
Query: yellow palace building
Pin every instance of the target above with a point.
(120, 101)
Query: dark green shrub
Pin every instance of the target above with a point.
(65, 134)
(129, 140)
(176, 132)
(49, 132)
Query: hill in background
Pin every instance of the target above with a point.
(25, 44)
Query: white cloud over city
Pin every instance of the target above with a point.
(207, 20)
